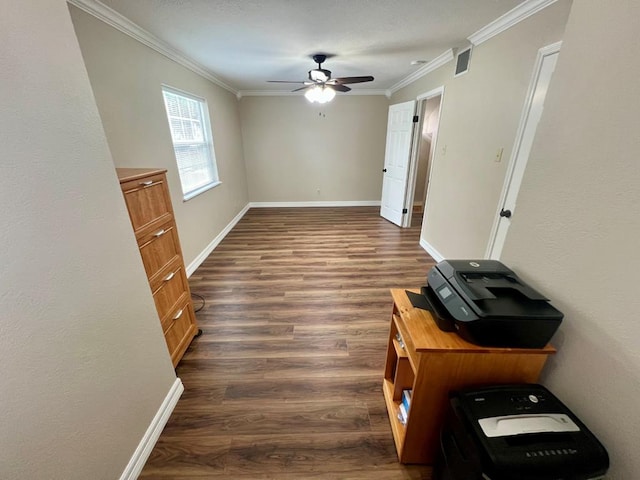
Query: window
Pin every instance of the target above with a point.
(192, 141)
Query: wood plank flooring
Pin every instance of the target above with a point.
(286, 381)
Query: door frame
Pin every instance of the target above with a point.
(524, 116)
(415, 151)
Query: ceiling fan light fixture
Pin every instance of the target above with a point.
(321, 88)
(320, 94)
(328, 94)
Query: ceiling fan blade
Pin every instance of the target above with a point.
(339, 88)
(301, 88)
(283, 81)
(345, 80)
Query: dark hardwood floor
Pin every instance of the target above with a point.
(286, 381)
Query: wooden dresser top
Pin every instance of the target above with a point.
(127, 174)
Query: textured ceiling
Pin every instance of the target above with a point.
(244, 43)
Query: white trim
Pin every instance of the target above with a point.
(524, 115)
(508, 20)
(431, 93)
(215, 242)
(344, 203)
(435, 254)
(412, 172)
(550, 49)
(140, 456)
(440, 60)
(280, 93)
(198, 191)
(126, 26)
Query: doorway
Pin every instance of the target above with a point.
(410, 146)
(531, 114)
(429, 106)
(400, 131)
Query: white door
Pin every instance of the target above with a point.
(396, 161)
(545, 65)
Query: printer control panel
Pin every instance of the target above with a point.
(454, 305)
(518, 401)
(524, 402)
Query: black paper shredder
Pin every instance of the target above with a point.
(516, 432)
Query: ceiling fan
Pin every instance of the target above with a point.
(320, 87)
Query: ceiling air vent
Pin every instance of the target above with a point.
(462, 61)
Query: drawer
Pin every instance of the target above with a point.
(180, 330)
(170, 288)
(147, 200)
(158, 249)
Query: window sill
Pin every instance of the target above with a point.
(200, 190)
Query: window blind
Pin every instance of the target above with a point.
(192, 141)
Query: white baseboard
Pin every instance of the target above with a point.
(215, 242)
(344, 203)
(140, 456)
(437, 256)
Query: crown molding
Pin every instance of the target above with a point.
(275, 93)
(508, 20)
(434, 64)
(126, 26)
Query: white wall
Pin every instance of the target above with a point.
(127, 77)
(84, 364)
(576, 232)
(480, 114)
(294, 148)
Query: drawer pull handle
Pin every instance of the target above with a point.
(147, 183)
(160, 233)
(169, 277)
(179, 314)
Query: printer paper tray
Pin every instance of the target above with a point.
(522, 424)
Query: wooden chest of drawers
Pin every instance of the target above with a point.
(147, 197)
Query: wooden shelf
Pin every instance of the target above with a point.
(432, 364)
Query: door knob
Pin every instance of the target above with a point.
(505, 213)
(384, 170)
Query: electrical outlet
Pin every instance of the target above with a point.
(444, 150)
(498, 157)
(318, 191)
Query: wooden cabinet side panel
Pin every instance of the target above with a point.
(392, 358)
(440, 373)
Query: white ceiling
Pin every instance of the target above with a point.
(244, 43)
